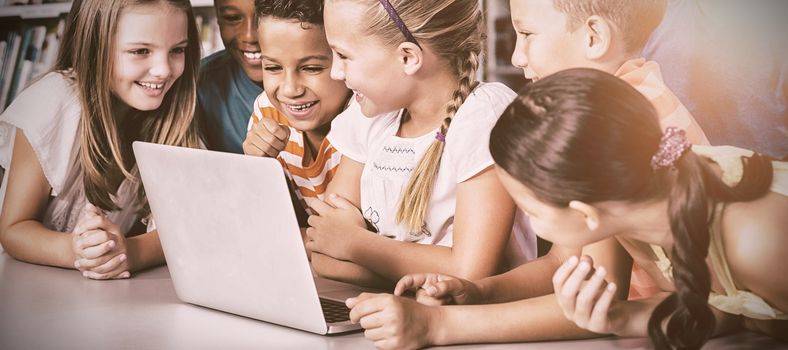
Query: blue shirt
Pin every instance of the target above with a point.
(225, 98)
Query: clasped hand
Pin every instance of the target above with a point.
(99, 247)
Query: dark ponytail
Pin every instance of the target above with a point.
(690, 320)
(582, 134)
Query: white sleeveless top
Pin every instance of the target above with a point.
(48, 113)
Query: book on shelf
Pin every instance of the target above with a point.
(28, 2)
(14, 41)
(29, 51)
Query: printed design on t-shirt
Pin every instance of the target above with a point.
(396, 159)
(399, 150)
(372, 216)
(392, 169)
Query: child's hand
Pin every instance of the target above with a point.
(332, 231)
(437, 289)
(100, 249)
(393, 322)
(585, 297)
(266, 138)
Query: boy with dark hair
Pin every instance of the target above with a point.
(230, 79)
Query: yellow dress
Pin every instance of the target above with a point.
(733, 301)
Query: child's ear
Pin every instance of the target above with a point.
(411, 57)
(589, 212)
(598, 34)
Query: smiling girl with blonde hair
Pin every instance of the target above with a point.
(414, 150)
(126, 71)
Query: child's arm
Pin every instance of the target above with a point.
(347, 181)
(535, 278)
(402, 322)
(348, 272)
(25, 238)
(529, 280)
(21, 232)
(483, 221)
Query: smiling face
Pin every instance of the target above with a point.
(296, 66)
(565, 226)
(149, 52)
(544, 44)
(238, 29)
(366, 66)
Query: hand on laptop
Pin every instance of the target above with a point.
(266, 138)
(332, 231)
(394, 322)
(438, 289)
(99, 246)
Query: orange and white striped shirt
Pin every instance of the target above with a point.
(646, 77)
(311, 180)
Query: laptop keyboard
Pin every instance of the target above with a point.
(334, 311)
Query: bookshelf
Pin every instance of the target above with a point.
(30, 34)
(500, 45)
(55, 9)
(35, 11)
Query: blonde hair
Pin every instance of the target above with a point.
(453, 29)
(636, 20)
(87, 54)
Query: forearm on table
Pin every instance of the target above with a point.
(529, 280)
(144, 251)
(535, 319)
(635, 315)
(393, 259)
(348, 272)
(32, 242)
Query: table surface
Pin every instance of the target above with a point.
(46, 308)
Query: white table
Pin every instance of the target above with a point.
(50, 308)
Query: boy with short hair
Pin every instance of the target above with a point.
(229, 80)
(609, 35)
(292, 117)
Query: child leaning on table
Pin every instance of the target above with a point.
(126, 71)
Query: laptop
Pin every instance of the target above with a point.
(232, 243)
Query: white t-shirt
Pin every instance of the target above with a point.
(389, 161)
(48, 113)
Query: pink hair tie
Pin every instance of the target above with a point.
(671, 147)
(440, 136)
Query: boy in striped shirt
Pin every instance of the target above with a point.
(292, 117)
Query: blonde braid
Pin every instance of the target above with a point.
(416, 197)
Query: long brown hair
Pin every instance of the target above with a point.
(583, 134)
(86, 53)
(453, 29)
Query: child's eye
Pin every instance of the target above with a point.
(139, 52)
(231, 18)
(341, 56)
(314, 69)
(525, 34)
(272, 69)
(178, 50)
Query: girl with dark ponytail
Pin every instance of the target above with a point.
(581, 151)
